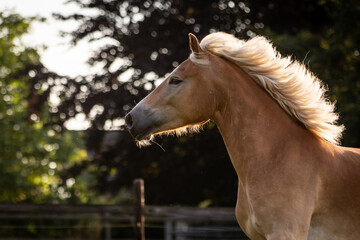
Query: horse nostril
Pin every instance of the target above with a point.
(128, 120)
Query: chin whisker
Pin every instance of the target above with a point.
(158, 144)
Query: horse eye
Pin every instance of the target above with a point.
(175, 81)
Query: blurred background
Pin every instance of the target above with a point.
(70, 70)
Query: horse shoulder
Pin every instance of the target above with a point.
(267, 198)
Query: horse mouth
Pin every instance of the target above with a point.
(145, 134)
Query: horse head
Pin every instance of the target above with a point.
(181, 103)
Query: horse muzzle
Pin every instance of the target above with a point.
(141, 122)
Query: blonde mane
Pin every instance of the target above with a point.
(296, 89)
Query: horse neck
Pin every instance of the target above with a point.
(252, 124)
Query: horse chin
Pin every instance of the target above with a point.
(146, 141)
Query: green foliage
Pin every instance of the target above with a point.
(32, 153)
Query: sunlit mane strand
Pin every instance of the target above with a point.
(296, 89)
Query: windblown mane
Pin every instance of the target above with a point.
(296, 89)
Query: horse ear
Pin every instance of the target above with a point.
(194, 44)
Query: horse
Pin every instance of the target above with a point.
(295, 181)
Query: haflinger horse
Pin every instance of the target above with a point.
(280, 131)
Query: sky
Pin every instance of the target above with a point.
(59, 56)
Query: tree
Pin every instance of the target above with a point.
(147, 39)
(31, 152)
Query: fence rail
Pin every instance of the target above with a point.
(176, 222)
(110, 222)
(110, 212)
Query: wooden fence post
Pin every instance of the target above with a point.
(169, 231)
(107, 226)
(139, 204)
